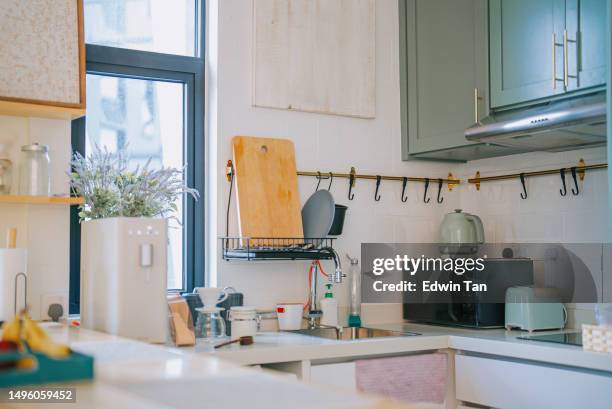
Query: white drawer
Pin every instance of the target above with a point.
(518, 385)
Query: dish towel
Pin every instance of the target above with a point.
(414, 378)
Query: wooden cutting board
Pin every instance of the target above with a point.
(266, 187)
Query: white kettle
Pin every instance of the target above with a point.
(461, 228)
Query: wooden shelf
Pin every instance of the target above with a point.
(56, 200)
(12, 108)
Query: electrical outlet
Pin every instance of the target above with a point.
(47, 300)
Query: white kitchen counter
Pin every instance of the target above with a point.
(274, 347)
(134, 375)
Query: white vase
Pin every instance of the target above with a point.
(124, 277)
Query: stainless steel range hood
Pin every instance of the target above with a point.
(575, 123)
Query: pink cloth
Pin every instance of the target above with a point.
(414, 378)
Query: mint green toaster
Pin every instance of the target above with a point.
(534, 308)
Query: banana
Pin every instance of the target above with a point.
(11, 330)
(39, 341)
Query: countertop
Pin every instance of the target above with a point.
(273, 347)
(134, 375)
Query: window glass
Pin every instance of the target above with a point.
(161, 26)
(144, 119)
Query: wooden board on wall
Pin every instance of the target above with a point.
(42, 57)
(315, 56)
(266, 188)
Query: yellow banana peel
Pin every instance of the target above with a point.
(38, 340)
(11, 330)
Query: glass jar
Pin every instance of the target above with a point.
(245, 321)
(34, 177)
(6, 176)
(210, 326)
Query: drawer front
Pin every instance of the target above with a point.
(518, 385)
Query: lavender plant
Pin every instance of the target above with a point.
(111, 189)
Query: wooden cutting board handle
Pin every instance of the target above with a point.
(11, 238)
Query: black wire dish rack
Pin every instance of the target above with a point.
(267, 248)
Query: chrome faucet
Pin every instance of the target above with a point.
(313, 312)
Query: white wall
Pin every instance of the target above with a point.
(43, 230)
(325, 142)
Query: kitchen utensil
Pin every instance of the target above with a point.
(289, 316)
(247, 340)
(244, 321)
(11, 238)
(461, 228)
(34, 177)
(6, 176)
(210, 325)
(211, 296)
(13, 282)
(266, 188)
(181, 324)
(318, 214)
(234, 299)
(534, 308)
(338, 222)
(354, 319)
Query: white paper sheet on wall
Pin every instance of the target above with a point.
(315, 56)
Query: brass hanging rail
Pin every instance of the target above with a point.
(581, 168)
(450, 180)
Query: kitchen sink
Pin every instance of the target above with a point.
(351, 333)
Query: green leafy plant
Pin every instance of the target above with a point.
(111, 189)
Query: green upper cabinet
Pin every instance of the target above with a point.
(522, 50)
(543, 48)
(444, 78)
(586, 43)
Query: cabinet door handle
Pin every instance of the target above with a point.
(554, 61)
(554, 46)
(566, 75)
(476, 99)
(565, 60)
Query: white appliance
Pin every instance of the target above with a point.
(13, 264)
(123, 277)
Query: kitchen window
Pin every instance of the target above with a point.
(145, 89)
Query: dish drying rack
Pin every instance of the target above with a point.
(268, 248)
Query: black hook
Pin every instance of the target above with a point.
(331, 179)
(564, 190)
(524, 194)
(319, 180)
(351, 195)
(404, 183)
(425, 198)
(439, 199)
(577, 190)
(376, 195)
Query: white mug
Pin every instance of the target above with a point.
(289, 316)
(211, 296)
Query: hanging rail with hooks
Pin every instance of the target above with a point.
(578, 170)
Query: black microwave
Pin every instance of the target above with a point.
(469, 311)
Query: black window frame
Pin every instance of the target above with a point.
(128, 63)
